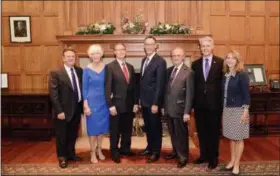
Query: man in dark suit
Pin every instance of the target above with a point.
(122, 100)
(152, 84)
(178, 99)
(65, 85)
(207, 102)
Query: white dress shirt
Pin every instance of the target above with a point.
(68, 70)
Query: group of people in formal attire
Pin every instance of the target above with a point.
(107, 94)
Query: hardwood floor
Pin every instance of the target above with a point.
(21, 151)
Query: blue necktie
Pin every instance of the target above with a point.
(173, 75)
(146, 64)
(75, 88)
(207, 68)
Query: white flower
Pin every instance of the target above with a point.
(131, 25)
(161, 26)
(125, 26)
(167, 26)
(102, 27)
(96, 25)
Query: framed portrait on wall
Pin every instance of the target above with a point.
(20, 29)
(256, 73)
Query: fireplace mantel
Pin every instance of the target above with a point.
(134, 43)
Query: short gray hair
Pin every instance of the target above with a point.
(207, 38)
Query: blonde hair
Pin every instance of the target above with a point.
(207, 38)
(239, 63)
(96, 48)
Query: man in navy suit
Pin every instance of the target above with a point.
(207, 102)
(152, 83)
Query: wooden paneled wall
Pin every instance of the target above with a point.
(251, 27)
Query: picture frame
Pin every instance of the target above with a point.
(256, 73)
(20, 29)
(4, 80)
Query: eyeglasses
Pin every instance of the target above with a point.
(146, 44)
(176, 55)
(120, 49)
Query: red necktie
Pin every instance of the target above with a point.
(125, 72)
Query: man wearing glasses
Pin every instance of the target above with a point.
(121, 84)
(178, 99)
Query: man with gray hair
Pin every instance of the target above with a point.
(179, 93)
(208, 102)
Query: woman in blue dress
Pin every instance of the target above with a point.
(95, 107)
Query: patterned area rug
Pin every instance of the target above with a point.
(136, 143)
(247, 168)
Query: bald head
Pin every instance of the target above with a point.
(178, 50)
(177, 56)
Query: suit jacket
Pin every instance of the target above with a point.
(208, 93)
(179, 95)
(152, 82)
(237, 90)
(124, 95)
(62, 94)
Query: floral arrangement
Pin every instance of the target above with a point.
(102, 27)
(164, 28)
(134, 26)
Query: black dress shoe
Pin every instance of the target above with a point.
(153, 158)
(199, 161)
(213, 164)
(116, 157)
(62, 163)
(75, 158)
(181, 164)
(170, 156)
(127, 154)
(145, 152)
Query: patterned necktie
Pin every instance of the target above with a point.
(206, 69)
(125, 72)
(145, 65)
(75, 87)
(173, 75)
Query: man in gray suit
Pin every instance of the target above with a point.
(179, 93)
